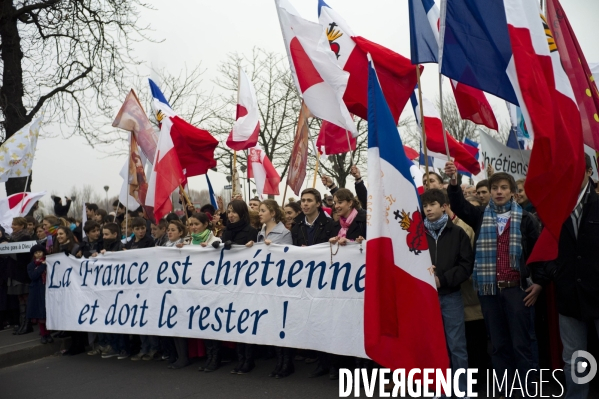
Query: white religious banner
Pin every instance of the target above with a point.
(502, 158)
(16, 247)
(310, 298)
(16, 153)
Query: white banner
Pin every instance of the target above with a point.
(16, 247)
(502, 158)
(299, 297)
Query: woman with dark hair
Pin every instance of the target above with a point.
(352, 218)
(291, 210)
(239, 231)
(18, 279)
(65, 241)
(101, 217)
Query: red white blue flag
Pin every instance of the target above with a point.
(400, 282)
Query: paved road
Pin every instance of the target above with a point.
(85, 376)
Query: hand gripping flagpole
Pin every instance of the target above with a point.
(441, 39)
(423, 132)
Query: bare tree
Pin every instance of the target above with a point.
(68, 58)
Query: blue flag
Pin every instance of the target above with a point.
(423, 42)
(211, 192)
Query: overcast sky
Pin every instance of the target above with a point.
(206, 31)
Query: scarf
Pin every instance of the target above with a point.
(19, 235)
(198, 238)
(171, 244)
(346, 222)
(231, 230)
(52, 230)
(437, 225)
(485, 265)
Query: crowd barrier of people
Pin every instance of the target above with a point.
(479, 237)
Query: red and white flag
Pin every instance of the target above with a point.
(167, 173)
(263, 172)
(314, 68)
(435, 142)
(395, 72)
(556, 167)
(16, 205)
(246, 128)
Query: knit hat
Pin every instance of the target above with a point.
(38, 247)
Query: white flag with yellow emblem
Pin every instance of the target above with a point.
(16, 153)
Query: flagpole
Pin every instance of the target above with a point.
(351, 153)
(247, 156)
(440, 63)
(423, 132)
(442, 123)
(316, 170)
(128, 187)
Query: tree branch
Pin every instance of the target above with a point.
(32, 7)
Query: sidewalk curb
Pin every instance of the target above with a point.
(31, 353)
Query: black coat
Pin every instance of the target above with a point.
(323, 230)
(473, 217)
(239, 234)
(146, 242)
(356, 229)
(61, 210)
(113, 247)
(89, 248)
(17, 263)
(36, 301)
(576, 269)
(452, 256)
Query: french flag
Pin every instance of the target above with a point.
(396, 73)
(316, 74)
(213, 197)
(16, 205)
(263, 172)
(424, 39)
(400, 282)
(246, 128)
(507, 47)
(435, 143)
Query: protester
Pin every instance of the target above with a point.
(91, 210)
(292, 210)
(92, 243)
(159, 233)
(274, 232)
(575, 273)
(312, 227)
(523, 198)
(31, 225)
(40, 233)
(50, 224)
(505, 237)
(110, 238)
(239, 231)
(141, 238)
(254, 204)
(433, 179)
(453, 261)
(18, 279)
(351, 225)
(65, 241)
(200, 233)
(101, 216)
(483, 192)
(61, 210)
(36, 303)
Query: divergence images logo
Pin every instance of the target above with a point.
(587, 362)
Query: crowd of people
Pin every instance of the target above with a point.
(479, 237)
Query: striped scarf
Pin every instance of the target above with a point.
(438, 225)
(485, 265)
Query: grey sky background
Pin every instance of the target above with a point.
(206, 31)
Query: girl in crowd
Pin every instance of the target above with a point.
(50, 224)
(239, 231)
(18, 279)
(40, 233)
(292, 210)
(101, 217)
(200, 232)
(352, 218)
(65, 241)
(175, 233)
(36, 303)
(274, 232)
